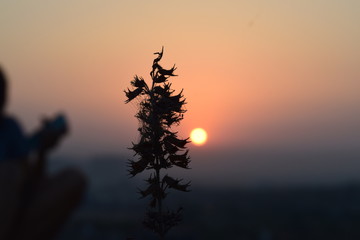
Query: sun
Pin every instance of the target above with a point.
(198, 136)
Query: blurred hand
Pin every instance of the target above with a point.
(50, 136)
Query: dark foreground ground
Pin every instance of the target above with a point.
(111, 210)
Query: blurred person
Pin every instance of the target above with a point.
(33, 205)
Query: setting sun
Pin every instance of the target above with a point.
(198, 136)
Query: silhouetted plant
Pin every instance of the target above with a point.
(159, 148)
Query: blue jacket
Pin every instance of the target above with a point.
(14, 144)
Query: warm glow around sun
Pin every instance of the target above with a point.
(198, 136)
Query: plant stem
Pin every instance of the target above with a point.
(162, 233)
(156, 139)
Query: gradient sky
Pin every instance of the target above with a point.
(276, 75)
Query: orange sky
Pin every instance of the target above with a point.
(256, 74)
